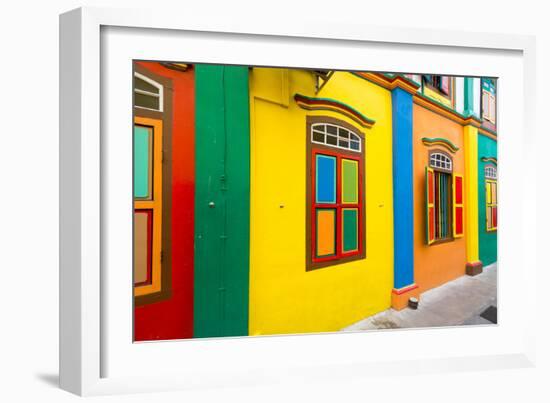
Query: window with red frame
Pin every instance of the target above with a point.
(491, 191)
(444, 202)
(336, 199)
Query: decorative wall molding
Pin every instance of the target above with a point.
(490, 159)
(327, 104)
(439, 141)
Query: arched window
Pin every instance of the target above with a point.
(152, 281)
(439, 160)
(148, 94)
(335, 192)
(335, 136)
(444, 199)
(490, 172)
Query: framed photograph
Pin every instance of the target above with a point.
(244, 205)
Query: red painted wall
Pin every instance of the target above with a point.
(173, 318)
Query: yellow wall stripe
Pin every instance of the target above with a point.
(471, 194)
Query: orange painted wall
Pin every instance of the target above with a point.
(436, 264)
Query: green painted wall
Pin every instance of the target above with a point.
(222, 177)
(487, 147)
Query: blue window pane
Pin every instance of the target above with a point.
(325, 179)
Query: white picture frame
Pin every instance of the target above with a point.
(96, 354)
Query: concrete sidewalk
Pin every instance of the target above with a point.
(459, 302)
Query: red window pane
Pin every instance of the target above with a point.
(458, 221)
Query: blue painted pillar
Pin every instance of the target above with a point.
(402, 121)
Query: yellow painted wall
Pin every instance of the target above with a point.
(284, 298)
(471, 194)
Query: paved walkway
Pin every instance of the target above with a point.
(458, 302)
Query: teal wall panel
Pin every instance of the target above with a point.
(487, 147)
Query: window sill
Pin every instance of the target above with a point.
(440, 241)
(312, 266)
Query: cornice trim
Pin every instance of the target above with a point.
(488, 133)
(388, 82)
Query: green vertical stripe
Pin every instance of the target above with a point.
(446, 180)
(445, 204)
(447, 212)
(349, 177)
(141, 161)
(349, 218)
(222, 201)
(469, 96)
(441, 205)
(448, 205)
(438, 204)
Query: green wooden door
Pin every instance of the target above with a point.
(222, 201)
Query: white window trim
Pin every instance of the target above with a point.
(489, 113)
(160, 95)
(486, 114)
(358, 138)
(492, 108)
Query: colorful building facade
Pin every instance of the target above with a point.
(279, 201)
(319, 243)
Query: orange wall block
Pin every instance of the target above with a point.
(438, 263)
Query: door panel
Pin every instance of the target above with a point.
(222, 201)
